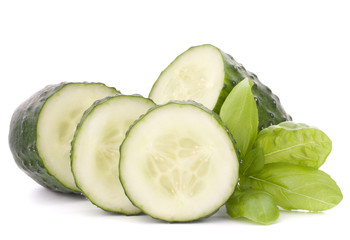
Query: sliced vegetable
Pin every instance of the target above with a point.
(42, 128)
(207, 75)
(296, 187)
(240, 114)
(255, 205)
(95, 150)
(294, 143)
(178, 162)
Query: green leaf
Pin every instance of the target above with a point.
(297, 187)
(255, 205)
(239, 112)
(294, 143)
(252, 163)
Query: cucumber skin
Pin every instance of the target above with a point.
(269, 106)
(85, 115)
(23, 139)
(23, 135)
(270, 109)
(221, 123)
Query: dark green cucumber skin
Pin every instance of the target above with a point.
(213, 115)
(269, 106)
(23, 139)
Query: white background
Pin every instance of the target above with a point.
(300, 49)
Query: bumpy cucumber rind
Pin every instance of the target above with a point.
(269, 106)
(23, 139)
(213, 115)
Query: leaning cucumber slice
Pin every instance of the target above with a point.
(178, 162)
(42, 128)
(95, 150)
(206, 75)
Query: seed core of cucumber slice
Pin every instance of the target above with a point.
(178, 162)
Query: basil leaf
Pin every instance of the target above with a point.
(255, 205)
(253, 162)
(297, 187)
(294, 143)
(239, 112)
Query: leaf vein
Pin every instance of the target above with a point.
(294, 146)
(287, 190)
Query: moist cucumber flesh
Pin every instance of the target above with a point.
(207, 75)
(42, 128)
(95, 150)
(196, 75)
(178, 162)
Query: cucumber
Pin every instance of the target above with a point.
(95, 150)
(178, 162)
(43, 126)
(206, 75)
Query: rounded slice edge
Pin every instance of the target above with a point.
(27, 132)
(57, 122)
(179, 162)
(198, 74)
(95, 150)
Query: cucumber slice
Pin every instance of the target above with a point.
(42, 128)
(198, 74)
(207, 75)
(178, 162)
(95, 150)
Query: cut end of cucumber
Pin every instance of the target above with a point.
(57, 123)
(197, 74)
(178, 163)
(95, 152)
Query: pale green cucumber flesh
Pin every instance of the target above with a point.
(178, 162)
(95, 150)
(43, 126)
(206, 75)
(197, 74)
